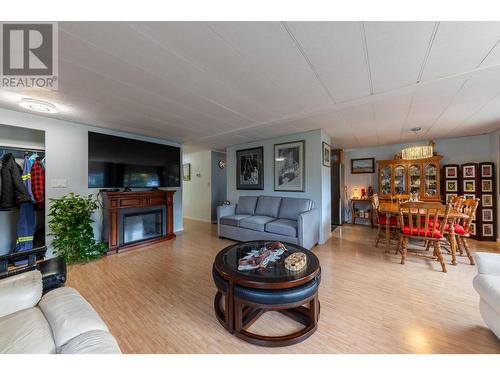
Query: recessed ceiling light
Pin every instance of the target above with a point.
(38, 105)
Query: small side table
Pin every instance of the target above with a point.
(359, 201)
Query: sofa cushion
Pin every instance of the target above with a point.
(256, 222)
(246, 205)
(26, 332)
(92, 342)
(488, 287)
(233, 220)
(268, 206)
(20, 292)
(488, 263)
(291, 208)
(282, 226)
(69, 315)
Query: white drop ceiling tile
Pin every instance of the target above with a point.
(199, 44)
(459, 47)
(474, 95)
(396, 51)
(430, 100)
(162, 72)
(269, 49)
(335, 49)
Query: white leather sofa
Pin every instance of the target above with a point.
(59, 322)
(487, 284)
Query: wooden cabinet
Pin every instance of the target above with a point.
(400, 177)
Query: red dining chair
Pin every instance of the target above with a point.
(381, 220)
(420, 221)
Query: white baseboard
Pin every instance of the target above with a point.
(198, 219)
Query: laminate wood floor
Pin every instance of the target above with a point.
(159, 299)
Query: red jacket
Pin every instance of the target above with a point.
(38, 183)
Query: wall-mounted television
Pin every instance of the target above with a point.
(116, 162)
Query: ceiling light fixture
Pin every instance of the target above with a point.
(38, 105)
(417, 152)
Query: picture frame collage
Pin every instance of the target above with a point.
(475, 180)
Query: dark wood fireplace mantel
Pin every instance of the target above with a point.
(113, 202)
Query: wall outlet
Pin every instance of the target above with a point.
(58, 183)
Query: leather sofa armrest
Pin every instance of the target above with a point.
(20, 292)
(488, 263)
(308, 228)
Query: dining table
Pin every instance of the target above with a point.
(392, 209)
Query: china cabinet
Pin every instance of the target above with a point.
(399, 177)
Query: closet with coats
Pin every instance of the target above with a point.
(22, 191)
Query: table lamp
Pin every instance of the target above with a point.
(355, 193)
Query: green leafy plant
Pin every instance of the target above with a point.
(71, 225)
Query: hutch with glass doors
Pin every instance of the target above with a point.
(400, 178)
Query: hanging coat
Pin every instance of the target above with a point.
(26, 223)
(38, 183)
(13, 190)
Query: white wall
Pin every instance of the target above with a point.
(219, 185)
(317, 177)
(197, 191)
(458, 150)
(66, 145)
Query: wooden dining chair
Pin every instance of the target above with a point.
(462, 225)
(381, 219)
(421, 221)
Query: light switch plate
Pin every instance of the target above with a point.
(58, 183)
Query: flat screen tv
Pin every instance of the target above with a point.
(116, 162)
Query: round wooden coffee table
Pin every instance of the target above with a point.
(249, 294)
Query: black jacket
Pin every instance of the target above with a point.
(13, 190)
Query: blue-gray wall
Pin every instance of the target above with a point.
(317, 177)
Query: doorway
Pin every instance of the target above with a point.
(336, 183)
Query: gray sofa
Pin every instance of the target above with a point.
(293, 220)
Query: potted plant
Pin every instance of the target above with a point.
(71, 225)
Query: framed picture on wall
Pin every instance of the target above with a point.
(488, 230)
(469, 185)
(366, 165)
(486, 186)
(448, 196)
(487, 200)
(250, 169)
(451, 172)
(487, 214)
(289, 166)
(470, 196)
(186, 172)
(327, 155)
(469, 171)
(487, 170)
(472, 229)
(452, 185)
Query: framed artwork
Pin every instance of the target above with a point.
(469, 185)
(186, 172)
(250, 169)
(488, 230)
(472, 229)
(289, 166)
(469, 171)
(470, 196)
(487, 214)
(451, 172)
(487, 200)
(366, 165)
(486, 170)
(327, 152)
(448, 196)
(452, 185)
(486, 186)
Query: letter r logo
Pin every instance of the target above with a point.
(27, 49)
